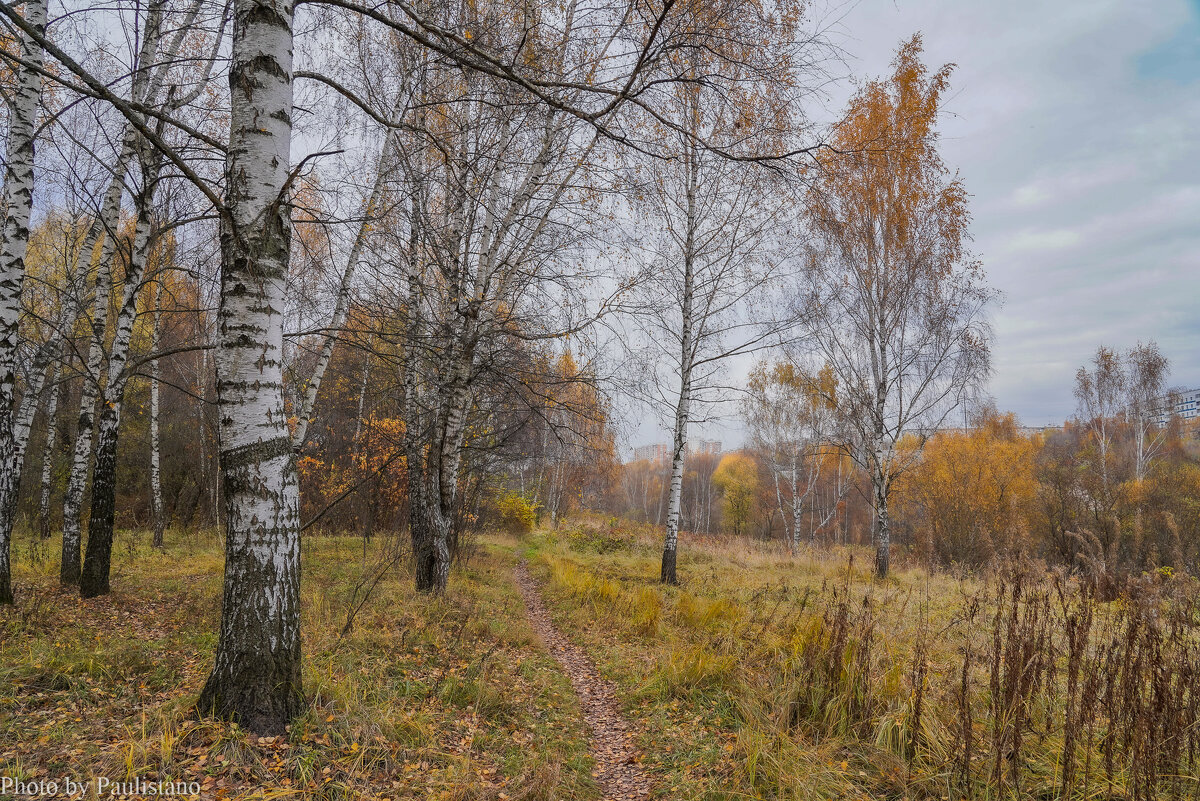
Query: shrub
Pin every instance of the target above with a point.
(585, 535)
(517, 513)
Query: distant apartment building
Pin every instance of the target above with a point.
(661, 451)
(1185, 403)
(658, 452)
(1023, 430)
(1046, 430)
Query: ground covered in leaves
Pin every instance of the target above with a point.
(764, 675)
(452, 698)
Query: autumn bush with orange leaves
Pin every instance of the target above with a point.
(364, 488)
(968, 498)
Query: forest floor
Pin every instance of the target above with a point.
(446, 698)
(555, 667)
(474, 695)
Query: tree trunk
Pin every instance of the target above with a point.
(435, 515)
(668, 573)
(93, 579)
(18, 205)
(156, 496)
(671, 540)
(19, 442)
(431, 544)
(883, 536)
(81, 455)
(256, 676)
(67, 322)
(48, 460)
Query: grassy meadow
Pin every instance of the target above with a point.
(764, 674)
(800, 676)
(446, 698)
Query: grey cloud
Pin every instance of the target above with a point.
(1085, 170)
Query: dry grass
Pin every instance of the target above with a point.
(772, 675)
(764, 675)
(442, 699)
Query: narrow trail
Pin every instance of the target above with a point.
(621, 777)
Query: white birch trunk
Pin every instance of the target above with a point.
(48, 459)
(94, 577)
(256, 675)
(81, 455)
(668, 574)
(682, 410)
(18, 205)
(156, 496)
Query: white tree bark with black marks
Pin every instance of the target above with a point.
(21, 424)
(81, 454)
(156, 496)
(18, 206)
(48, 447)
(55, 347)
(94, 578)
(687, 356)
(256, 675)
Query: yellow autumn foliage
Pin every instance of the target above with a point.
(966, 499)
(737, 478)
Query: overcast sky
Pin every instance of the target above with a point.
(1075, 125)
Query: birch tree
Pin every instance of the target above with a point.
(791, 419)
(1147, 370)
(1101, 393)
(481, 221)
(716, 214)
(256, 675)
(18, 205)
(93, 579)
(891, 299)
(710, 266)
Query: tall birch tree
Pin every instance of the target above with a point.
(18, 206)
(256, 675)
(891, 299)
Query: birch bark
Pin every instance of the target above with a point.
(18, 205)
(156, 496)
(683, 410)
(256, 676)
(94, 578)
(48, 460)
(81, 454)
